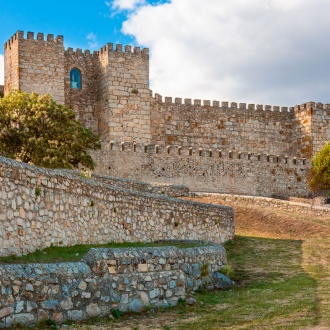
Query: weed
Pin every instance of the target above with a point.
(134, 91)
(205, 270)
(114, 210)
(37, 191)
(182, 302)
(176, 224)
(227, 270)
(85, 174)
(116, 313)
(92, 203)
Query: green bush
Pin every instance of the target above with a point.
(320, 173)
(35, 129)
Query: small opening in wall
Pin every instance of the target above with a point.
(259, 157)
(134, 147)
(268, 157)
(109, 168)
(304, 161)
(239, 155)
(286, 160)
(163, 169)
(249, 156)
(75, 79)
(200, 151)
(210, 153)
(190, 151)
(156, 149)
(168, 149)
(145, 149)
(294, 161)
(111, 145)
(179, 151)
(123, 146)
(230, 154)
(277, 159)
(220, 153)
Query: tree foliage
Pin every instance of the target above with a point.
(320, 173)
(36, 130)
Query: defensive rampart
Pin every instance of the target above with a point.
(210, 169)
(124, 279)
(40, 207)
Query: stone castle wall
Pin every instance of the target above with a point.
(40, 207)
(125, 279)
(115, 101)
(226, 126)
(206, 169)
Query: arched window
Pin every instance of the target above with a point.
(75, 79)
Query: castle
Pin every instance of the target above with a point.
(215, 146)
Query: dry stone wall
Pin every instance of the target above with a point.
(41, 207)
(124, 279)
(210, 170)
(274, 203)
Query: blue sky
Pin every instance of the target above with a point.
(75, 20)
(258, 51)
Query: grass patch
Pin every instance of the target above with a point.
(75, 253)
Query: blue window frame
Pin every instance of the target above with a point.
(75, 79)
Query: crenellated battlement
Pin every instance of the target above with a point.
(226, 155)
(169, 101)
(19, 35)
(108, 49)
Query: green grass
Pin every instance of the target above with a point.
(74, 253)
(273, 292)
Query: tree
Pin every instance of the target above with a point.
(36, 130)
(320, 173)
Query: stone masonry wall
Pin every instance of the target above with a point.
(155, 188)
(40, 207)
(252, 128)
(273, 203)
(124, 279)
(83, 100)
(209, 170)
(125, 103)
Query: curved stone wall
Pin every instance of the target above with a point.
(40, 207)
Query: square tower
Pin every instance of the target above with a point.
(35, 65)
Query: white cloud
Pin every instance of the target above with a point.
(2, 71)
(92, 43)
(258, 51)
(124, 4)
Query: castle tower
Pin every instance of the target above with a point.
(109, 89)
(35, 65)
(124, 98)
